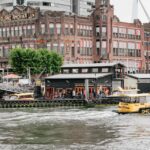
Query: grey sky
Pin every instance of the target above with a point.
(123, 9)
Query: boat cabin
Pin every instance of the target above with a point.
(137, 98)
(19, 96)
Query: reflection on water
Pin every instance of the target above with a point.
(98, 128)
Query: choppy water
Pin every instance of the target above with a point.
(73, 129)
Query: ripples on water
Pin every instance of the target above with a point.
(65, 129)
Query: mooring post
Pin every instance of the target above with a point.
(86, 89)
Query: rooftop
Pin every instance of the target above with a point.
(91, 65)
(140, 76)
(78, 76)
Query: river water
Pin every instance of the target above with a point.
(73, 129)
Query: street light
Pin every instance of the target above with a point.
(95, 86)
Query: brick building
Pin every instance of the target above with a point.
(147, 46)
(127, 44)
(100, 37)
(118, 41)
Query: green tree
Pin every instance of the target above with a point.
(56, 62)
(39, 60)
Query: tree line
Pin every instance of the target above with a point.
(38, 60)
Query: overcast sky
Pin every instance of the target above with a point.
(123, 9)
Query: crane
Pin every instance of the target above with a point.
(135, 9)
(146, 13)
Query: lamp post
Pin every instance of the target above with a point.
(29, 75)
(7, 75)
(95, 86)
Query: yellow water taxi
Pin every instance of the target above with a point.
(137, 103)
(19, 96)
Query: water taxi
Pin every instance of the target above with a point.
(136, 103)
(120, 92)
(19, 96)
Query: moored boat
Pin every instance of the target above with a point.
(136, 103)
(19, 97)
(120, 92)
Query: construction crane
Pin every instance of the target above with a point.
(146, 13)
(135, 9)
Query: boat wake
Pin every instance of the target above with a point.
(17, 118)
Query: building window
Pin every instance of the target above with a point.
(46, 4)
(29, 30)
(104, 18)
(62, 49)
(95, 70)
(115, 51)
(20, 2)
(51, 27)
(66, 29)
(16, 31)
(78, 47)
(12, 31)
(8, 33)
(20, 30)
(65, 70)
(71, 29)
(131, 34)
(91, 31)
(75, 70)
(55, 47)
(115, 32)
(72, 51)
(104, 2)
(104, 30)
(24, 30)
(4, 32)
(97, 31)
(49, 46)
(104, 70)
(85, 70)
(58, 28)
(98, 47)
(103, 49)
(42, 28)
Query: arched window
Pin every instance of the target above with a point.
(20, 2)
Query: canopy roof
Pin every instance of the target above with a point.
(140, 76)
(92, 65)
(78, 76)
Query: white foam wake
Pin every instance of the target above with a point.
(56, 116)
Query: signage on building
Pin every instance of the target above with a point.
(16, 15)
(38, 82)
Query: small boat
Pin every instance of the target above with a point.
(19, 96)
(117, 96)
(120, 92)
(136, 103)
